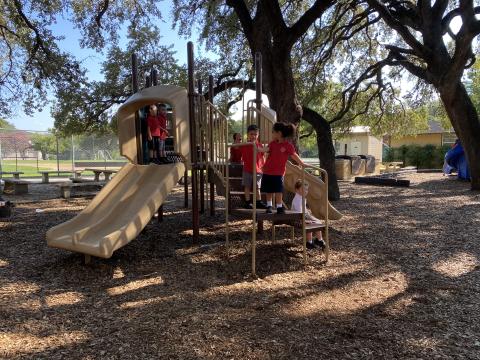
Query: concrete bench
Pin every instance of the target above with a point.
(16, 174)
(46, 174)
(107, 173)
(66, 189)
(15, 187)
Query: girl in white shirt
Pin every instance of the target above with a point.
(309, 218)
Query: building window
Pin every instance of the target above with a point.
(449, 138)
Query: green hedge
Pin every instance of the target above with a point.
(423, 157)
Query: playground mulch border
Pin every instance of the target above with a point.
(403, 282)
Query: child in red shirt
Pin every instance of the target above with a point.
(162, 123)
(247, 175)
(279, 150)
(236, 152)
(157, 133)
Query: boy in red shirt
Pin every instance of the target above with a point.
(279, 150)
(162, 118)
(247, 175)
(157, 133)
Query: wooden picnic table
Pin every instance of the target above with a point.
(16, 174)
(106, 172)
(46, 174)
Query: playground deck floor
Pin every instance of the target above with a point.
(403, 282)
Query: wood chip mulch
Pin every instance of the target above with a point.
(403, 282)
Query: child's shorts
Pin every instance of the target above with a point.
(156, 144)
(272, 184)
(247, 179)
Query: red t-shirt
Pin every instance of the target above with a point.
(278, 154)
(236, 154)
(247, 157)
(154, 125)
(162, 120)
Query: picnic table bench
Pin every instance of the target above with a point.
(392, 166)
(67, 188)
(46, 174)
(16, 174)
(15, 186)
(106, 172)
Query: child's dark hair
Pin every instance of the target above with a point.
(252, 127)
(162, 106)
(287, 130)
(235, 135)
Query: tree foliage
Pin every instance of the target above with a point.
(32, 63)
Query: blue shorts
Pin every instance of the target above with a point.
(272, 184)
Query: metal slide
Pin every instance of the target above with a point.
(119, 211)
(316, 192)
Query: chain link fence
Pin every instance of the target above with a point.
(32, 151)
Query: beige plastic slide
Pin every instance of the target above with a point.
(316, 192)
(119, 211)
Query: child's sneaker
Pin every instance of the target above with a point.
(261, 204)
(269, 210)
(310, 245)
(280, 210)
(320, 244)
(247, 205)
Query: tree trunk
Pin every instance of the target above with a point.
(326, 150)
(464, 118)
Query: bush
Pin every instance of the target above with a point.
(423, 157)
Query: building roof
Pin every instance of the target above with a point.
(435, 127)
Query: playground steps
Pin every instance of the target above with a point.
(278, 219)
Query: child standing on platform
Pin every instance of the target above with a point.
(236, 152)
(247, 175)
(301, 191)
(162, 123)
(279, 150)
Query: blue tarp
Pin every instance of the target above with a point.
(455, 160)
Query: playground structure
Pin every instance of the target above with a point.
(200, 131)
(455, 160)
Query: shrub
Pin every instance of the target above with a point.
(423, 157)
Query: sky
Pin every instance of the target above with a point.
(92, 61)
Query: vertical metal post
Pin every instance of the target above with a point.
(258, 85)
(193, 145)
(327, 239)
(212, 183)
(138, 125)
(153, 75)
(16, 155)
(58, 161)
(254, 213)
(202, 148)
(304, 231)
(73, 157)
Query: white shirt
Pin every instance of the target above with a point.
(297, 206)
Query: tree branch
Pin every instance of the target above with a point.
(307, 19)
(103, 10)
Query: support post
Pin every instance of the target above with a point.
(138, 125)
(258, 85)
(193, 145)
(201, 149)
(160, 214)
(153, 76)
(212, 183)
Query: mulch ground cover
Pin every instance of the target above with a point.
(403, 282)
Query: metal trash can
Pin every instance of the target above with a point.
(358, 165)
(343, 169)
(369, 163)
